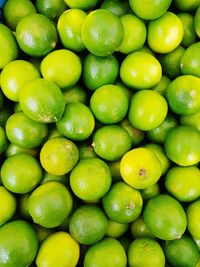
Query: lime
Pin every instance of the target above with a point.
(21, 173)
(193, 220)
(24, 132)
(81, 4)
(156, 216)
(138, 228)
(98, 71)
(88, 224)
(3, 140)
(48, 177)
(109, 104)
(179, 149)
(42, 101)
(118, 8)
(90, 179)
(62, 67)
(197, 21)
(140, 70)
(182, 252)
(75, 94)
(145, 252)
(8, 44)
(115, 230)
(122, 203)
(183, 183)
(18, 243)
(110, 142)
(189, 36)
(51, 8)
(59, 155)
(69, 29)
(105, 38)
(42, 233)
(150, 191)
(187, 5)
(8, 205)
(140, 168)
(148, 109)
(183, 94)
(107, 252)
(86, 150)
(165, 33)
(13, 149)
(134, 34)
(65, 253)
(77, 122)
(23, 206)
(40, 30)
(191, 120)
(161, 87)
(50, 204)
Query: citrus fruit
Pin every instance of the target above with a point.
(77, 122)
(140, 70)
(149, 9)
(42, 101)
(105, 38)
(193, 221)
(197, 22)
(181, 252)
(48, 177)
(187, 5)
(18, 244)
(88, 224)
(189, 36)
(165, 33)
(180, 149)
(40, 30)
(3, 140)
(122, 203)
(145, 252)
(107, 252)
(115, 230)
(51, 8)
(138, 228)
(66, 252)
(148, 109)
(49, 204)
(119, 8)
(69, 29)
(24, 132)
(109, 104)
(14, 11)
(21, 173)
(81, 4)
(23, 206)
(190, 61)
(62, 67)
(140, 168)
(15, 76)
(59, 155)
(8, 205)
(110, 142)
(42, 232)
(191, 120)
(150, 191)
(183, 94)
(98, 71)
(14, 149)
(8, 44)
(75, 94)
(183, 183)
(134, 34)
(161, 87)
(90, 179)
(156, 216)
(86, 151)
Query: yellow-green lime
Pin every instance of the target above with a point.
(189, 36)
(191, 120)
(76, 93)
(115, 229)
(150, 191)
(8, 205)
(197, 21)
(51, 8)
(187, 5)
(161, 87)
(81, 4)
(119, 7)
(193, 219)
(3, 140)
(138, 228)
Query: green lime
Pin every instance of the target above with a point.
(187, 5)
(90, 179)
(110, 142)
(23, 206)
(115, 229)
(17, 177)
(77, 122)
(107, 252)
(3, 140)
(49, 204)
(14, 149)
(102, 39)
(18, 243)
(48, 177)
(118, 8)
(63, 67)
(150, 191)
(8, 205)
(189, 36)
(75, 94)
(86, 151)
(122, 203)
(51, 8)
(42, 232)
(193, 219)
(59, 155)
(145, 251)
(81, 4)
(156, 216)
(40, 30)
(99, 71)
(191, 120)
(42, 101)
(88, 224)
(183, 183)
(138, 228)
(161, 87)
(197, 21)
(182, 145)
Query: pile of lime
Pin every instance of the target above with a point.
(100, 133)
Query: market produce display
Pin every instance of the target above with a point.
(100, 133)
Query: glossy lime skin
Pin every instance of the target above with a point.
(99, 71)
(197, 22)
(148, 109)
(193, 219)
(105, 38)
(8, 205)
(190, 61)
(118, 8)
(191, 120)
(189, 36)
(8, 44)
(85, 5)
(165, 33)
(24, 132)
(51, 8)
(161, 87)
(69, 29)
(140, 70)
(75, 94)
(185, 5)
